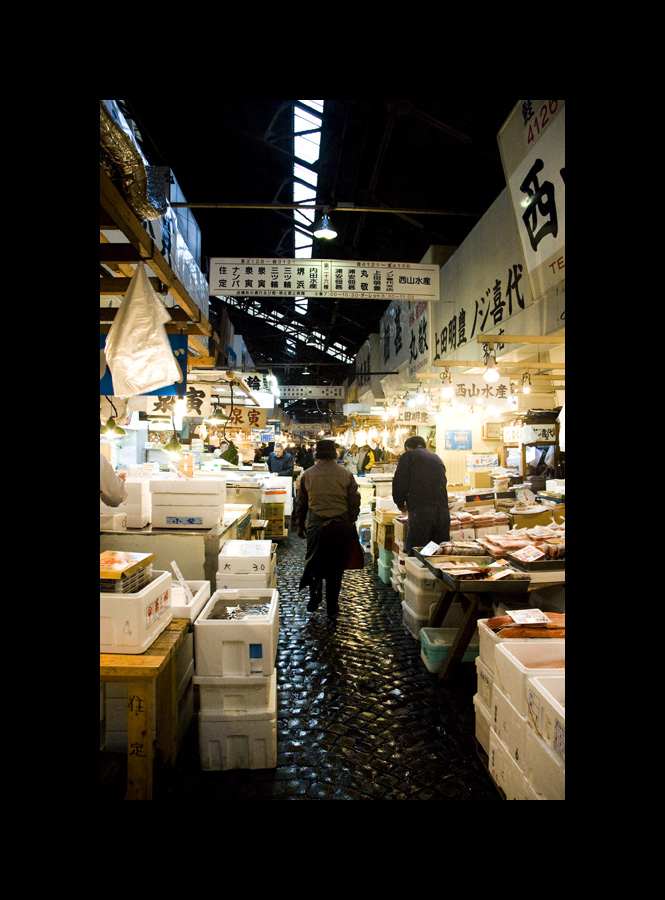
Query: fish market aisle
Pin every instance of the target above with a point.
(359, 717)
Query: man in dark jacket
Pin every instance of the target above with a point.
(280, 461)
(420, 486)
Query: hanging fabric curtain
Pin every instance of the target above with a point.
(138, 351)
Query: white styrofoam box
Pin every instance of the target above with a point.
(515, 663)
(485, 683)
(171, 485)
(422, 577)
(387, 503)
(129, 623)
(546, 699)
(113, 521)
(412, 621)
(242, 693)
(555, 484)
(186, 516)
(508, 725)
(505, 771)
(231, 582)
(237, 743)
(139, 521)
(244, 646)
(181, 606)
(246, 557)
(482, 723)
(196, 500)
(543, 769)
(489, 641)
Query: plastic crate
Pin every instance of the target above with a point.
(129, 623)
(435, 644)
(243, 645)
(413, 622)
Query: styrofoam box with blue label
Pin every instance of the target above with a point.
(546, 698)
(246, 558)
(187, 502)
(243, 645)
(517, 662)
(129, 623)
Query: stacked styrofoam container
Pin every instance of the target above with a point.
(247, 565)
(520, 714)
(129, 622)
(187, 502)
(236, 638)
(136, 507)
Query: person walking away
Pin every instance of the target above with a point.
(420, 488)
(327, 506)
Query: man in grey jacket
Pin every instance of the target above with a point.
(420, 488)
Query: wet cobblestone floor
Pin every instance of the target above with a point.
(359, 717)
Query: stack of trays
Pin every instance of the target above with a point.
(247, 565)
(235, 646)
(187, 502)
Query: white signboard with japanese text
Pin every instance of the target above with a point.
(337, 279)
(483, 286)
(473, 390)
(406, 416)
(312, 392)
(532, 144)
(245, 417)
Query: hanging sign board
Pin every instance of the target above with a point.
(313, 392)
(245, 417)
(473, 390)
(532, 145)
(337, 279)
(420, 357)
(406, 416)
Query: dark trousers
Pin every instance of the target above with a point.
(425, 524)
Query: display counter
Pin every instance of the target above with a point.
(195, 551)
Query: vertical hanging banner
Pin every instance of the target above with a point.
(337, 279)
(532, 146)
(420, 357)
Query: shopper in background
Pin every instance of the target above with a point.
(420, 488)
(351, 459)
(326, 510)
(366, 459)
(112, 488)
(308, 460)
(280, 462)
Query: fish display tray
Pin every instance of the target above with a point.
(538, 565)
(506, 585)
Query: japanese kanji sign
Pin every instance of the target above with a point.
(318, 392)
(472, 390)
(337, 279)
(533, 153)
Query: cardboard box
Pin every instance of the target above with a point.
(479, 478)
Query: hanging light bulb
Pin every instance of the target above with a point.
(526, 383)
(324, 227)
(111, 431)
(491, 373)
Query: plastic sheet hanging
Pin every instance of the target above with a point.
(138, 351)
